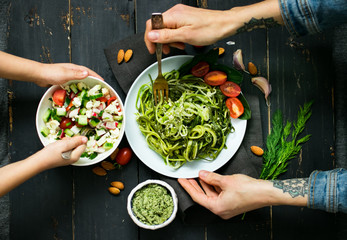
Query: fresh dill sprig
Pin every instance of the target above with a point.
(282, 144)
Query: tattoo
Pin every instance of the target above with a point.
(258, 23)
(295, 187)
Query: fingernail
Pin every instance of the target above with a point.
(84, 139)
(153, 36)
(83, 73)
(203, 173)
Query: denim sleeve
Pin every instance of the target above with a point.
(302, 17)
(327, 190)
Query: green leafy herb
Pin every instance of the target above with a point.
(283, 143)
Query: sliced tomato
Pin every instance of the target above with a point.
(215, 78)
(230, 89)
(200, 69)
(102, 99)
(235, 107)
(66, 123)
(111, 99)
(59, 97)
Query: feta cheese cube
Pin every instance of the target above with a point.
(77, 102)
(104, 91)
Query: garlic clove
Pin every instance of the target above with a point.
(238, 61)
(263, 84)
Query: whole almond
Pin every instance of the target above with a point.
(99, 171)
(107, 165)
(114, 190)
(252, 69)
(128, 55)
(118, 185)
(114, 154)
(120, 56)
(257, 150)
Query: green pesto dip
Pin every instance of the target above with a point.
(152, 204)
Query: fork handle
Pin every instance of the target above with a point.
(157, 23)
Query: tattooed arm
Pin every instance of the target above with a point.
(228, 196)
(199, 26)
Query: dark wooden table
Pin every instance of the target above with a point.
(73, 203)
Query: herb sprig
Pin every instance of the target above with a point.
(283, 144)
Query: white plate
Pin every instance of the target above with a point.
(151, 158)
(45, 103)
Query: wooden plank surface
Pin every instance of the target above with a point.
(41, 207)
(73, 203)
(96, 25)
(299, 73)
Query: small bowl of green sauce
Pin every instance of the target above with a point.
(152, 204)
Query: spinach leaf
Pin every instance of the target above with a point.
(247, 112)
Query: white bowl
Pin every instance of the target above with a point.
(143, 184)
(45, 103)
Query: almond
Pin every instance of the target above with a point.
(99, 171)
(114, 154)
(118, 185)
(120, 56)
(128, 55)
(114, 190)
(107, 165)
(257, 150)
(252, 69)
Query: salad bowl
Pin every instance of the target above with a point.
(46, 103)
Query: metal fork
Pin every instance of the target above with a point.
(160, 85)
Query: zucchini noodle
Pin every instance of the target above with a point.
(192, 125)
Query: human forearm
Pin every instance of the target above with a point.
(284, 192)
(17, 68)
(16, 173)
(197, 26)
(265, 14)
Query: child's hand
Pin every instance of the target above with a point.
(50, 156)
(59, 73)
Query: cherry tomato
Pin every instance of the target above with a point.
(230, 89)
(66, 123)
(59, 97)
(215, 78)
(235, 107)
(102, 99)
(124, 156)
(111, 99)
(200, 69)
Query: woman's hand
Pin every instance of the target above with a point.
(50, 156)
(59, 73)
(14, 174)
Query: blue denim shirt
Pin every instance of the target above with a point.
(327, 190)
(302, 17)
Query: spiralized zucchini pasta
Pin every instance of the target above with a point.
(192, 125)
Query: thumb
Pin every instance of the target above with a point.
(74, 142)
(165, 36)
(211, 178)
(76, 73)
